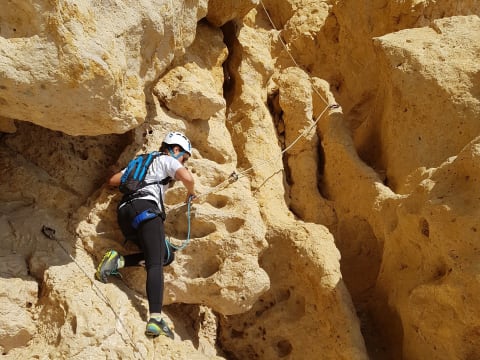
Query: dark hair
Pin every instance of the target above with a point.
(165, 147)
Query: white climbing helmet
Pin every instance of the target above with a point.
(177, 138)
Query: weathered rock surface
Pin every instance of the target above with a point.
(83, 67)
(18, 293)
(194, 90)
(222, 11)
(345, 232)
(418, 62)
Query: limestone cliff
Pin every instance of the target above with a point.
(336, 157)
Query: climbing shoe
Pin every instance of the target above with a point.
(108, 266)
(156, 328)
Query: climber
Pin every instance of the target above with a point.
(148, 232)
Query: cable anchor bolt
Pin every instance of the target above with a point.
(233, 176)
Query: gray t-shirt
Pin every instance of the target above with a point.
(161, 167)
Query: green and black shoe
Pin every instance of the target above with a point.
(108, 266)
(156, 328)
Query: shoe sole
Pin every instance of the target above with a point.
(151, 334)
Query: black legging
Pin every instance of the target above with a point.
(150, 237)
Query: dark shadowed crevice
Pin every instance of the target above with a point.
(229, 38)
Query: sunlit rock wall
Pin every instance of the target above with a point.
(82, 67)
(335, 157)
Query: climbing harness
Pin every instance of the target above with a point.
(144, 216)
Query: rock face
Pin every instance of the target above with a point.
(83, 66)
(19, 292)
(421, 64)
(336, 157)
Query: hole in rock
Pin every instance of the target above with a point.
(217, 201)
(424, 227)
(177, 226)
(203, 266)
(234, 224)
(283, 348)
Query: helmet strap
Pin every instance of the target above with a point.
(176, 156)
